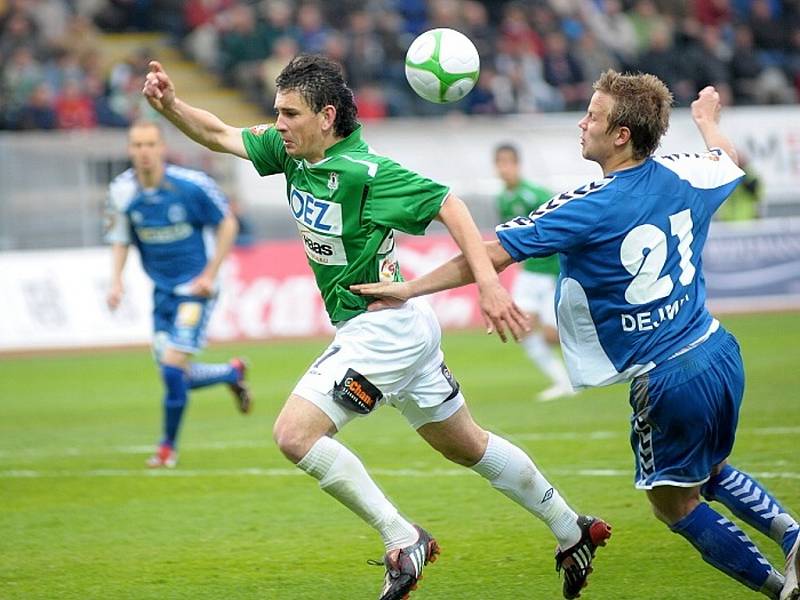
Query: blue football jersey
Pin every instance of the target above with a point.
(172, 225)
(631, 292)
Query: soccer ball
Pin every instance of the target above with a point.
(442, 65)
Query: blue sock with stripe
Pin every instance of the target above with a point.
(724, 546)
(751, 502)
(203, 374)
(175, 398)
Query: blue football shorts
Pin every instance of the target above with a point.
(180, 322)
(685, 414)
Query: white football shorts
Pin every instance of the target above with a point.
(389, 356)
(535, 294)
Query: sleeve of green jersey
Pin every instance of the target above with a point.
(403, 200)
(265, 148)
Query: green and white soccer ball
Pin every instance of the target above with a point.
(442, 65)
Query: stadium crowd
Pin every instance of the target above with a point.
(537, 55)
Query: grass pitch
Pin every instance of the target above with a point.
(80, 516)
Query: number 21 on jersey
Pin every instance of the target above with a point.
(644, 253)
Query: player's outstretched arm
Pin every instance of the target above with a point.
(200, 125)
(706, 113)
(452, 274)
(499, 310)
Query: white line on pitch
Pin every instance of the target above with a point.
(261, 472)
(232, 444)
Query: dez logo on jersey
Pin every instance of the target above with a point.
(312, 213)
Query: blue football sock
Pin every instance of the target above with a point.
(750, 501)
(203, 374)
(175, 399)
(724, 546)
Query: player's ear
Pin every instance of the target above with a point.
(623, 136)
(328, 114)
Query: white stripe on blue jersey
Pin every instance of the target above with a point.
(631, 292)
(204, 182)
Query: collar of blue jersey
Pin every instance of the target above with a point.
(626, 170)
(351, 142)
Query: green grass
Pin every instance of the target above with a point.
(80, 517)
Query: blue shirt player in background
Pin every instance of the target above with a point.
(179, 221)
(631, 306)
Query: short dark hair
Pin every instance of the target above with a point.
(642, 103)
(507, 147)
(320, 82)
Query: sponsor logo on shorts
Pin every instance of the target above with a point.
(356, 392)
(189, 314)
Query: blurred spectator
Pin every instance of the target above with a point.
(612, 27)
(744, 202)
(713, 13)
(125, 15)
(563, 71)
(18, 29)
(745, 66)
(38, 112)
(74, 108)
(243, 44)
(284, 50)
(646, 20)
(364, 60)
(371, 103)
(593, 57)
(517, 37)
(481, 100)
(21, 74)
(707, 60)
(665, 62)
(312, 32)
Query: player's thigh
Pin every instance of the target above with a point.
(299, 425)
(685, 415)
(371, 360)
(180, 323)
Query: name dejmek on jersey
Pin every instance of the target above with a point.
(630, 246)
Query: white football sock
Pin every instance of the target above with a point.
(341, 474)
(546, 358)
(512, 472)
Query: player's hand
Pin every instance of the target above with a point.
(114, 296)
(500, 312)
(158, 88)
(389, 294)
(202, 285)
(707, 106)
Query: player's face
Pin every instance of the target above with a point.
(146, 149)
(299, 126)
(507, 167)
(596, 144)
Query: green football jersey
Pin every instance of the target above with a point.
(521, 201)
(346, 207)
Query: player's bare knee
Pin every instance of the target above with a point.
(291, 440)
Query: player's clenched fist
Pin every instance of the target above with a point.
(707, 105)
(158, 88)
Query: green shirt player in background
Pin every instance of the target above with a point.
(535, 285)
(346, 202)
